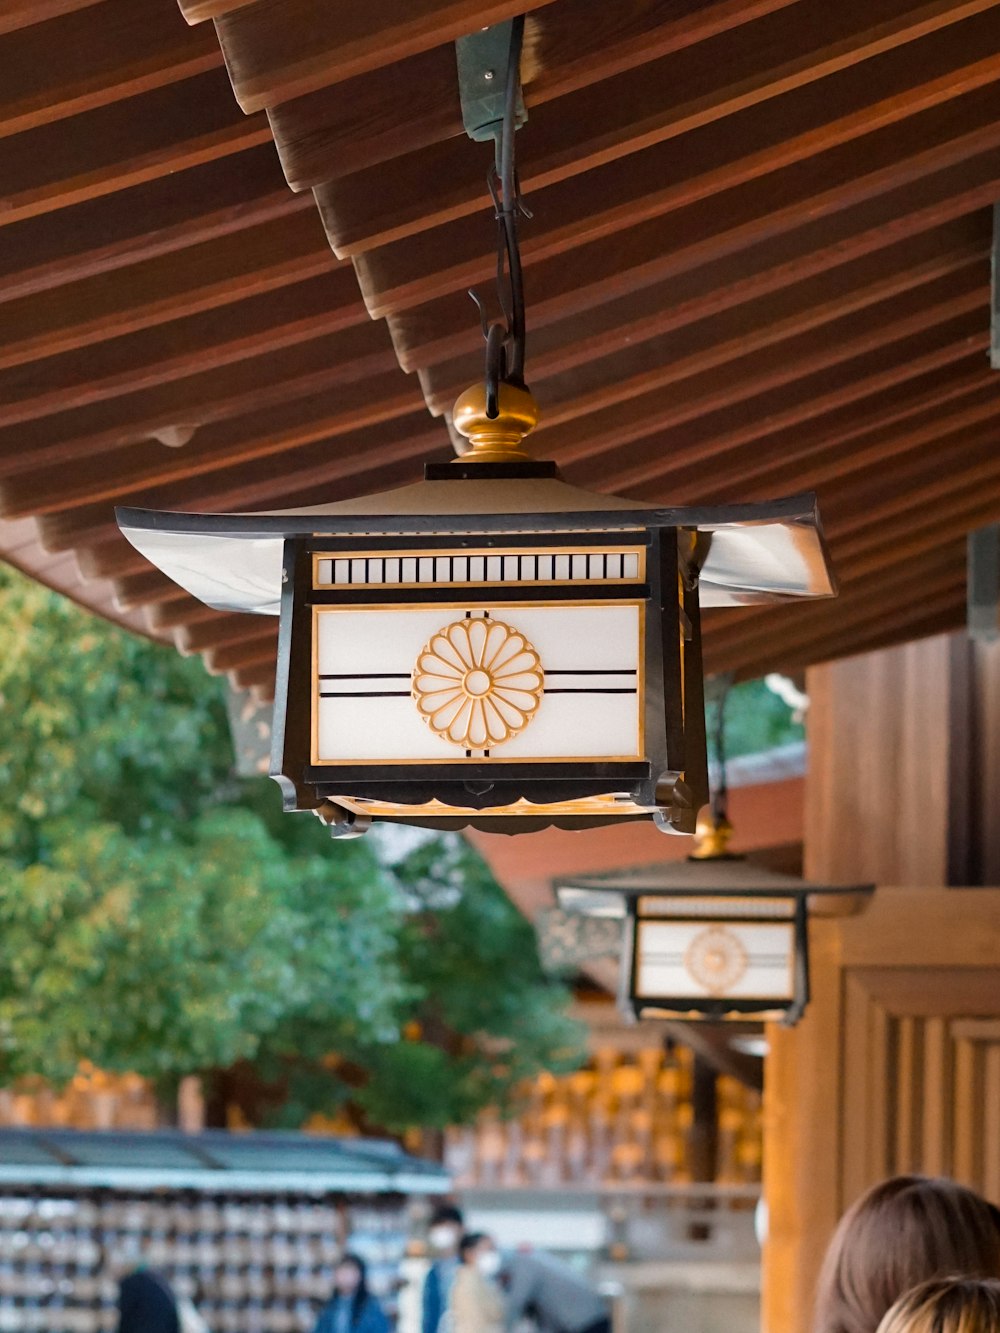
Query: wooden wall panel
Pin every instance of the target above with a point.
(896, 1068)
(896, 1065)
(876, 724)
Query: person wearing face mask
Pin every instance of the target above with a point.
(444, 1235)
(353, 1308)
(476, 1305)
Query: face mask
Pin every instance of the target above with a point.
(488, 1263)
(441, 1238)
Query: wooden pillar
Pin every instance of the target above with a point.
(887, 1072)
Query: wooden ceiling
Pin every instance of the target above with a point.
(759, 262)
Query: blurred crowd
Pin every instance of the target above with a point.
(913, 1255)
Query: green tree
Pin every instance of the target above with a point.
(158, 914)
(482, 1016)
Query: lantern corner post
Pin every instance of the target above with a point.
(291, 729)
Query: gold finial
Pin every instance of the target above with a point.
(713, 836)
(498, 439)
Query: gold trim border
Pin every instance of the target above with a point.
(603, 806)
(638, 603)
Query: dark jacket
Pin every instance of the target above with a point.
(437, 1286)
(370, 1317)
(146, 1305)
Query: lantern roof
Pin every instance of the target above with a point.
(746, 553)
(607, 895)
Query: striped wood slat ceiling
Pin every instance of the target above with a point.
(759, 262)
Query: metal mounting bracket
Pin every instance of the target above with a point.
(482, 75)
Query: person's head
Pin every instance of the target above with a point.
(446, 1228)
(350, 1282)
(349, 1276)
(903, 1232)
(947, 1305)
(477, 1250)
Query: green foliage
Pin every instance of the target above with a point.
(484, 1009)
(756, 720)
(158, 914)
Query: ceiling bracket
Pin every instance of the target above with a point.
(482, 71)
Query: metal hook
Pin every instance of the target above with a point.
(482, 313)
(495, 367)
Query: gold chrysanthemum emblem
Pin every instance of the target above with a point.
(478, 682)
(716, 959)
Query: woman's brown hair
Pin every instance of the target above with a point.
(901, 1233)
(946, 1305)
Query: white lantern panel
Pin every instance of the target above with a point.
(452, 683)
(732, 960)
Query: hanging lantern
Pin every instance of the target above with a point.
(715, 938)
(491, 646)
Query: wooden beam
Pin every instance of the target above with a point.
(692, 132)
(849, 629)
(168, 287)
(260, 652)
(905, 537)
(197, 11)
(817, 467)
(881, 431)
(433, 265)
(17, 14)
(943, 618)
(216, 199)
(180, 611)
(603, 374)
(918, 478)
(749, 243)
(300, 327)
(227, 630)
(144, 589)
(391, 112)
(195, 402)
(277, 49)
(565, 356)
(121, 145)
(605, 433)
(143, 468)
(812, 399)
(87, 59)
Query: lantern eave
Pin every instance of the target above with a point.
(744, 553)
(608, 895)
